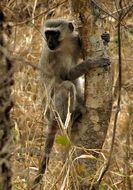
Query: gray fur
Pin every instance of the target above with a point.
(60, 72)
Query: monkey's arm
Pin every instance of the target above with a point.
(83, 67)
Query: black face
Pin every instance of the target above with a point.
(52, 38)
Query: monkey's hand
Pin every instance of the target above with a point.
(106, 38)
(101, 62)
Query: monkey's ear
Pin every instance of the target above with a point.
(71, 27)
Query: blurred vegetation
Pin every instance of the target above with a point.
(27, 18)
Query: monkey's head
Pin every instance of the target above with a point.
(56, 31)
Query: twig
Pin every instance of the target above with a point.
(128, 10)
(44, 12)
(128, 151)
(130, 5)
(111, 14)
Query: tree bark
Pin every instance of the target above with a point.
(5, 106)
(98, 91)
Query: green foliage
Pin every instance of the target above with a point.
(105, 187)
(63, 140)
(116, 40)
(1, 186)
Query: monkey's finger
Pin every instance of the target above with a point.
(105, 61)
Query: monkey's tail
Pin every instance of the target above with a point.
(45, 160)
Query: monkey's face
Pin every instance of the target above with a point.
(57, 32)
(52, 39)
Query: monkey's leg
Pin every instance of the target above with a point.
(65, 99)
(52, 130)
(79, 111)
(60, 102)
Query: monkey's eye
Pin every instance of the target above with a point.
(71, 27)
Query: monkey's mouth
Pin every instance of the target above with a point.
(53, 46)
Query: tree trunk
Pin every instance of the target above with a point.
(5, 106)
(98, 91)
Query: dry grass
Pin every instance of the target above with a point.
(29, 132)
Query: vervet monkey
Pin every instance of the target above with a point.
(60, 75)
